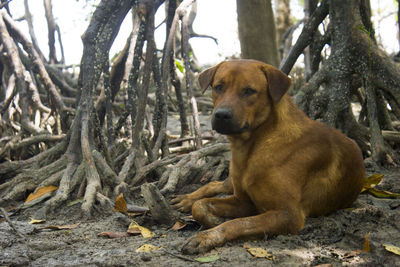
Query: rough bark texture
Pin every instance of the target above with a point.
(160, 209)
(100, 154)
(257, 32)
(354, 55)
(283, 24)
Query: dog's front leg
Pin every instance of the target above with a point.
(185, 202)
(269, 223)
(210, 212)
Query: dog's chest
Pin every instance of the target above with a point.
(248, 171)
(258, 171)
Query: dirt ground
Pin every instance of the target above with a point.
(334, 239)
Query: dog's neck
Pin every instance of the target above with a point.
(285, 124)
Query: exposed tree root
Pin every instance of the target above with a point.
(354, 56)
(88, 162)
(190, 165)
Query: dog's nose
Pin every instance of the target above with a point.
(223, 114)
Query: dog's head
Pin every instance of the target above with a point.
(244, 92)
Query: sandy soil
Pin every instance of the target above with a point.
(332, 239)
(336, 239)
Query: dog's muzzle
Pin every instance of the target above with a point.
(224, 122)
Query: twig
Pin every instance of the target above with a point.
(11, 224)
(189, 138)
(4, 4)
(178, 256)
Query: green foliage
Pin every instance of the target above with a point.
(364, 29)
(179, 65)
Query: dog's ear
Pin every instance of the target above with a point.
(278, 82)
(206, 77)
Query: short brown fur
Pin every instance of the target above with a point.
(284, 165)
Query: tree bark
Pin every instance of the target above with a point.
(51, 26)
(257, 32)
(283, 24)
(354, 56)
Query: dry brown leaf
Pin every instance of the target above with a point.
(113, 234)
(371, 181)
(61, 227)
(35, 221)
(135, 229)
(207, 259)
(383, 193)
(259, 252)
(366, 247)
(40, 192)
(351, 254)
(147, 248)
(393, 249)
(120, 204)
(179, 225)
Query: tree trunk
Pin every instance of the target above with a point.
(257, 31)
(283, 24)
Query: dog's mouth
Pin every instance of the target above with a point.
(228, 127)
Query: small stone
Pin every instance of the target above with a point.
(145, 257)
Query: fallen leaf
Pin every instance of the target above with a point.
(40, 192)
(120, 204)
(35, 221)
(382, 193)
(393, 249)
(259, 252)
(352, 254)
(74, 202)
(372, 181)
(113, 234)
(178, 225)
(147, 248)
(61, 227)
(366, 247)
(323, 265)
(207, 259)
(135, 229)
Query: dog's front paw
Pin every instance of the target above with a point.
(203, 242)
(183, 203)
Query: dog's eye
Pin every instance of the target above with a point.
(218, 88)
(248, 92)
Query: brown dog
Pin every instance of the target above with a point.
(284, 165)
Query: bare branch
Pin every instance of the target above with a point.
(305, 37)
